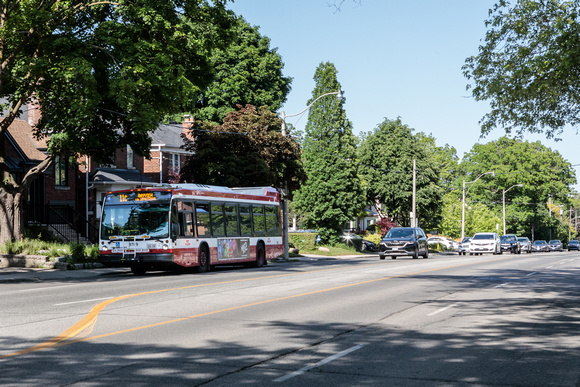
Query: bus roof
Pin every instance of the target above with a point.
(249, 193)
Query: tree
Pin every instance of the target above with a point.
(386, 157)
(247, 150)
(247, 71)
(529, 67)
(543, 172)
(104, 73)
(333, 194)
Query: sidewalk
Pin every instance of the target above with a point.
(29, 274)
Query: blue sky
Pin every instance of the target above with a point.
(394, 59)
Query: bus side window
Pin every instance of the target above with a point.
(245, 220)
(218, 223)
(185, 218)
(273, 221)
(258, 220)
(202, 219)
(232, 222)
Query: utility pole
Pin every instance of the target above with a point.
(414, 206)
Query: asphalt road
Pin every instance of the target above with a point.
(508, 320)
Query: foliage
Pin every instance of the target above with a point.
(543, 172)
(104, 74)
(34, 247)
(246, 150)
(386, 157)
(385, 225)
(247, 71)
(77, 253)
(303, 241)
(529, 67)
(333, 194)
(375, 238)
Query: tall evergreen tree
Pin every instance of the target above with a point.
(333, 194)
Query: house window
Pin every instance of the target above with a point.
(174, 163)
(130, 157)
(60, 172)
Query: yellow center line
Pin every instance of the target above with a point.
(65, 338)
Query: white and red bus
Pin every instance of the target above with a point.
(189, 226)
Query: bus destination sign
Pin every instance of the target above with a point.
(137, 196)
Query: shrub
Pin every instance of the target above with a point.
(77, 253)
(303, 240)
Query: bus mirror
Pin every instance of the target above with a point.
(174, 231)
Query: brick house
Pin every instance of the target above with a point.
(67, 199)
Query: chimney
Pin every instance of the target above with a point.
(186, 126)
(34, 113)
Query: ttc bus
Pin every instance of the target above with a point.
(189, 226)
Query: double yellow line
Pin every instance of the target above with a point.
(90, 319)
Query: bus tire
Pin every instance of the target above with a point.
(260, 256)
(203, 259)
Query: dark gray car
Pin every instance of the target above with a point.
(409, 241)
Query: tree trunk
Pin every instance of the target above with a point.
(6, 216)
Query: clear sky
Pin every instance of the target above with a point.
(394, 59)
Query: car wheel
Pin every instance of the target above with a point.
(426, 255)
(381, 256)
(416, 253)
(394, 257)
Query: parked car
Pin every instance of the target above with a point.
(485, 242)
(510, 242)
(555, 245)
(404, 241)
(540, 246)
(574, 245)
(448, 244)
(365, 245)
(525, 244)
(464, 245)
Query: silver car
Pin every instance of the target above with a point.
(464, 246)
(526, 244)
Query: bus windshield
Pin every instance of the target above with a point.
(144, 219)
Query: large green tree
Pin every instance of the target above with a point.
(247, 71)
(386, 157)
(104, 73)
(333, 194)
(544, 173)
(529, 67)
(246, 150)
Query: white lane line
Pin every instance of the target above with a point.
(46, 288)
(548, 267)
(441, 310)
(529, 274)
(80, 302)
(322, 362)
(500, 285)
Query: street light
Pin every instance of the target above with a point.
(285, 205)
(463, 201)
(503, 201)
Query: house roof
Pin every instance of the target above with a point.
(31, 149)
(168, 135)
(120, 176)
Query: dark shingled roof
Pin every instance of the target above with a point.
(120, 176)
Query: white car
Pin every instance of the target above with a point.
(447, 243)
(485, 242)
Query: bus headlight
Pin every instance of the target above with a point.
(165, 247)
(104, 248)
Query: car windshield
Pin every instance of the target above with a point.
(400, 233)
(554, 242)
(465, 240)
(523, 239)
(573, 242)
(508, 238)
(482, 236)
(539, 242)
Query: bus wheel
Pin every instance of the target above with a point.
(203, 260)
(138, 270)
(260, 256)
